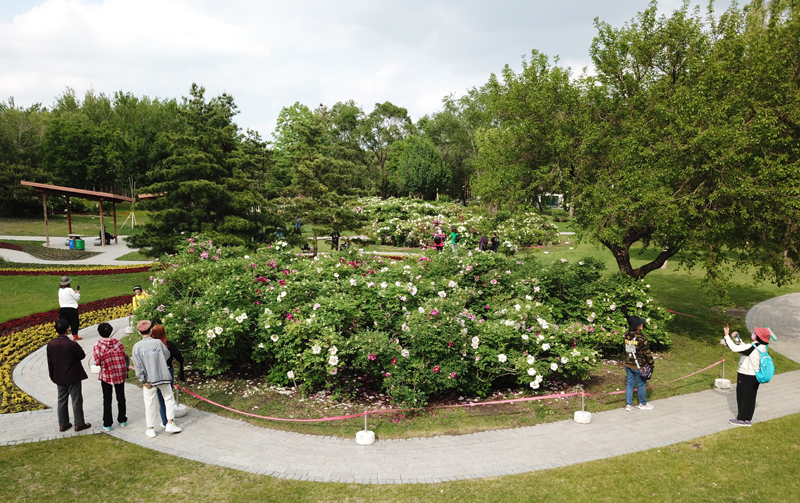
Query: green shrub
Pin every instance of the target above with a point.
(412, 328)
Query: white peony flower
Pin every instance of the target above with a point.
(536, 289)
(589, 302)
(384, 285)
(534, 384)
(553, 367)
(502, 358)
(336, 275)
(333, 350)
(612, 307)
(405, 328)
(274, 338)
(403, 298)
(317, 306)
(528, 297)
(639, 305)
(531, 371)
(333, 360)
(316, 349)
(421, 310)
(542, 323)
(261, 346)
(353, 282)
(290, 374)
(524, 337)
(531, 359)
(545, 347)
(218, 330)
(564, 361)
(404, 353)
(333, 371)
(452, 284)
(442, 294)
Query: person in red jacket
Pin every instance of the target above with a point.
(109, 355)
(64, 364)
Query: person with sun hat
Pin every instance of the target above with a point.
(749, 364)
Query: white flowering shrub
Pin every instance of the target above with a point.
(413, 328)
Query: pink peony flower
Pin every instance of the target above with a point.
(494, 281)
(373, 356)
(435, 312)
(450, 344)
(204, 255)
(191, 250)
(436, 369)
(453, 375)
(394, 361)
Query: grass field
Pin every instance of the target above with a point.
(86, 225)
(135, 255)
(24, 295)
(743, 464)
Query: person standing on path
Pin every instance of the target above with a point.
(68, 305)
(454, 240)
(150, 361)
(158, 333)
(749, 364)
(637, 353)
(139, 296)
(110, 355)
(64, 365)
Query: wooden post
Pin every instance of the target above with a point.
(116, 233)
(102, 230)
(46, 228)
(69, 218)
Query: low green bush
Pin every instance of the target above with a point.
(430, 325)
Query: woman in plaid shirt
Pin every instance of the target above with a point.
(110, 355)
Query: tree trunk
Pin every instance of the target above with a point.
(623, 258)
(314, 254)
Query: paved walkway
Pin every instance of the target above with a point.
(227, 442)
(108, 255)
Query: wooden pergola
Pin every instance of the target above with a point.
(92, 195)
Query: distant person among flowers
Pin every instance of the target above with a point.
(749, 364)
(438, 241)
(483, 243)
(68, 305)
(64, 366)
(335, 240)
(454, 239)
(158, 332)
(637, 354)
(110, 355)
(139, 296)
(495, 243)
(150, 361)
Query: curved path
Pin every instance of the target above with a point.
(106, 255)
(227, 442)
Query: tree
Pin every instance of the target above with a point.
(322, 173)
(530, 148)
(419, 166)
(206, 184)
(386, 124)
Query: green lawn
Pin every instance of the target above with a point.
(86, 225)
(135, 255)
(742, 464)
(24, 295)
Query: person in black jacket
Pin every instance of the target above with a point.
(159, 333)
(64, 365)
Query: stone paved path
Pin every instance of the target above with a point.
(107, 255)
(227, 442)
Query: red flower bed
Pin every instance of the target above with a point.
(73, 272)
(10, 246)
(16, 325)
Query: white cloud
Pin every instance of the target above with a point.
(271, 54)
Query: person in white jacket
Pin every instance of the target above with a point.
(749, 363)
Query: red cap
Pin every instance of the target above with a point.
(762, 333)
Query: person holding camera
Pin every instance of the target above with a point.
(68, 305)
(749, 364)
(637, 358)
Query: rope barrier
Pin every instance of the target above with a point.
(465, 405)
(698, 317)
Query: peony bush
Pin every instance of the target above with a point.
(412, 222)
(411, 328)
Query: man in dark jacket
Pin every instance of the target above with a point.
(64, 363)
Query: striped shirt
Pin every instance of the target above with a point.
(150, 361)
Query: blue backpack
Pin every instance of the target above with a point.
(766, 368)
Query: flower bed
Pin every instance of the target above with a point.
(412, 222)
(10, 246)
(411, 329)
(98, 270)
(23, 336)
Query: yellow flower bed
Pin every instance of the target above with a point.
(15, 347)
(76, 270)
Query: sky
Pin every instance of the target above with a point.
(270, 54)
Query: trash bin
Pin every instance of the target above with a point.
(80, 244)
(71, 244)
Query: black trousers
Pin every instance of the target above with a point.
(746, 390)
(119, 390)
(71, 315)
(65, 392)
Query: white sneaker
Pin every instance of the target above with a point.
(629, 408)
(151, 433)
(172, 428)
(646, 406)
